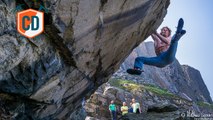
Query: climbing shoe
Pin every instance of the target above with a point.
(134, 71)
(179, 35)
(183, 32)
(180, 25)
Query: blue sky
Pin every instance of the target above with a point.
(196, 47)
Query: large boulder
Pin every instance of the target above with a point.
(83, 44)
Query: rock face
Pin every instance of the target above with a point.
(84, 43)
(154, 101)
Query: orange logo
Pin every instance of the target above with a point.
(30, 23)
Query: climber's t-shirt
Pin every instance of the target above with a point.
(135, 106)
(112, 107)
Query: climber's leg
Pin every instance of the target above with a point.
(139, 61)
(169, 55)
(179, 32)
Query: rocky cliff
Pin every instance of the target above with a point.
(83, 44)
(164, 93)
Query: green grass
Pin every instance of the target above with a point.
(132, 86)
(120, 83)
(158, 91)
(205, 105)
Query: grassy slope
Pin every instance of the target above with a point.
(132, 86)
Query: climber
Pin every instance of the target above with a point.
(112, 109)
(136, 107)
(124, 108)
(165, 49)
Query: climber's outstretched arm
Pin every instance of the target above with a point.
(154, 37)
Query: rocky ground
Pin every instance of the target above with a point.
(156, 103)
